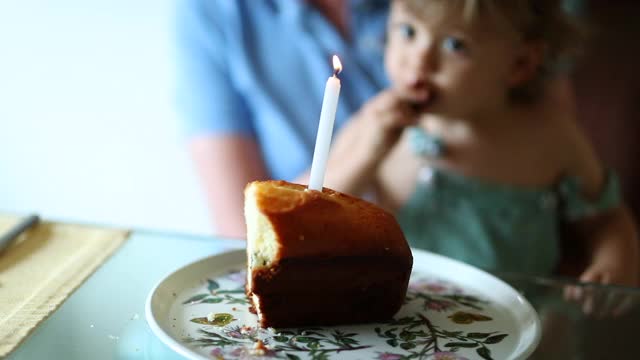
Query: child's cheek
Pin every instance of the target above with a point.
(391, 67)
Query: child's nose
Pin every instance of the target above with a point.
(424, 61)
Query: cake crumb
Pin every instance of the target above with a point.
(234, 309)
(259, 349)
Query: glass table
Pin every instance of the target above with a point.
(104, 318)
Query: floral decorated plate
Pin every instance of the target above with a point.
(452, 311)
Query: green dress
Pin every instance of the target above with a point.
(490, 225)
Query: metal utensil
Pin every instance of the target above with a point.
(16, 230)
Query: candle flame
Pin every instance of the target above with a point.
(337, 65)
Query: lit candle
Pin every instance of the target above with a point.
(325, 127)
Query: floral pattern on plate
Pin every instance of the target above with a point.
(439, 320)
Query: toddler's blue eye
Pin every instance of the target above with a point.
(407, 31)
(453, 44)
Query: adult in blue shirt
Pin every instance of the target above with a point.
(251, 81)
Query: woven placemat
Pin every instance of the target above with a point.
(42, 268)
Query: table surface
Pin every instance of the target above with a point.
(104, 318)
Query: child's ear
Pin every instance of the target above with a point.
(527, 62)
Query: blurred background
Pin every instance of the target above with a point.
(89, 132)
(607, 85)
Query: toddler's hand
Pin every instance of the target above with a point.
(611, 271)
(377, 126)
(365, 140)
(601, 301)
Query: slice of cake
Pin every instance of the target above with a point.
(321, 258)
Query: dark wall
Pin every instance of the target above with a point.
(607, 85)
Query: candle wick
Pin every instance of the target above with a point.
(335, 72)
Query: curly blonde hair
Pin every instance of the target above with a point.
(535, 20)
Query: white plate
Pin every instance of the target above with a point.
(465, 312)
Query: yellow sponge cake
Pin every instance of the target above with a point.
(321, 258)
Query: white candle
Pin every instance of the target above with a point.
(325, 128)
